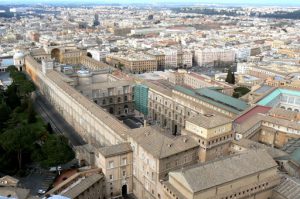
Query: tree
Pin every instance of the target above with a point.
(229, 76)
(240, 91)
(26, 87)
(2, 92)
(56, 151)
(120, 66)
(12, 99)
(18, 140)
(11, 69)
(49, 128)
(31, 113)
(232, 78)
(236, 94)
(4, 114)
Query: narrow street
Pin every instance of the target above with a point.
(58, 124)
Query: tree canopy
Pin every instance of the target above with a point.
(230, 77)
(24, 137)
(56, 151)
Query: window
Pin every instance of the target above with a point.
(111, 164)
(185, 159)
(124, 173)
(125, 98)
(111, 177)
(167, 165)
(124, 161)
(110, 100)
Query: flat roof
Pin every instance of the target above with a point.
(263, 89)
(280, 91)
(6, 62)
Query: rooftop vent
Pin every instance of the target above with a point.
(169, 145)
(208, 115)
(185, 140)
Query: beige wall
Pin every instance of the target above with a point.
(208, 133)
(114, 186)
(258, 185)
(148, 170)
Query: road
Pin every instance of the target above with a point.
(58, 124)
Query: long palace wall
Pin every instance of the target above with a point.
(95, 125)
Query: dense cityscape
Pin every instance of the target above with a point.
(149, 101)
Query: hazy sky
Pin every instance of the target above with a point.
(258, 2)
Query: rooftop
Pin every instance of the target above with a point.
(160, 145)
(220, 171)
(288, 189)
(114, 150)
(251, 112)
(216, 98)
(276, 93)
(252, 145)
(82, 185)
(14, 192)
(209, 121)
(292, 147)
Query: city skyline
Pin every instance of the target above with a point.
(150, 100)
(162, 2)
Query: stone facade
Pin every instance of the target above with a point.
(214, 140)
(151, 165)
(116, 97)
(82, 185)
(245, 183)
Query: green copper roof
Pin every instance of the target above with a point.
(296, 155)
(216, 98)
(269, 98)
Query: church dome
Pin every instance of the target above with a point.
(19, 55)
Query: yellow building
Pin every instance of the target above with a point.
(134, 63)
(213, 133)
